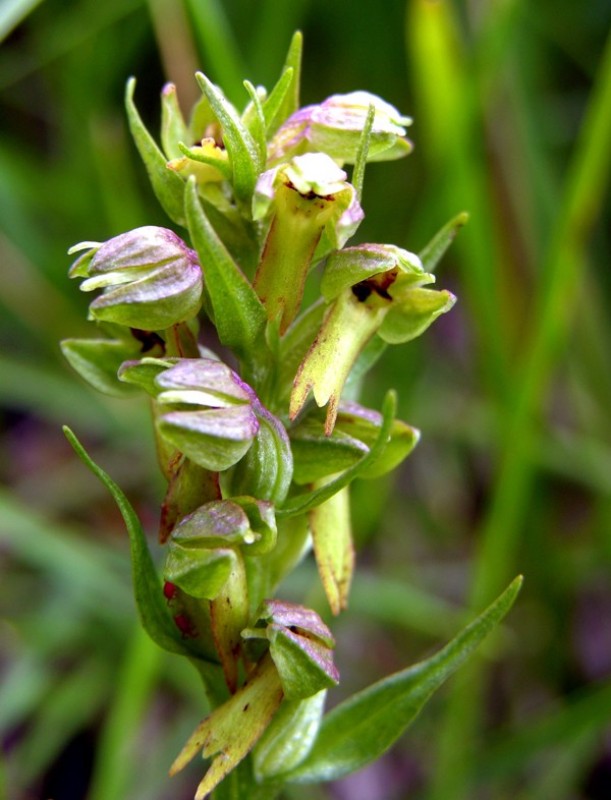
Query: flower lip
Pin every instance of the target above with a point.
(315, 173)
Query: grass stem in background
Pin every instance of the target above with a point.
(499, 538)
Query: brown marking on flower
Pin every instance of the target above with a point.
(377, 284)
(148, 339)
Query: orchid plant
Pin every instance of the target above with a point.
(259, 445)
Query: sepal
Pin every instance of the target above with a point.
(239, 522)
(413, 312)
(356, 431)
(150, 279)
(300, 645)
(353, 265)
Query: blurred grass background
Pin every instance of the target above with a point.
(512, 391)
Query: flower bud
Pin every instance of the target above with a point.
(149, 278)
(335, 126)
(203, 408)
(300, 645)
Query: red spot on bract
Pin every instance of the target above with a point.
(185, 626)
(170, 590)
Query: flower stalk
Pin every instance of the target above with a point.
(256, 477)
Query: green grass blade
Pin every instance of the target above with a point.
(587, 178)
(450, 135)
(218, 46)
(584, 713)
(135, 682)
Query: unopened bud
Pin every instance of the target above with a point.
(149, 278)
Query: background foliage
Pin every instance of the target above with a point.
(512, 391)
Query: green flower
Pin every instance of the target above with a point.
(305, 198)
(371, 289)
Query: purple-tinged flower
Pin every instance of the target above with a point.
(205, 411)
(150, 279)
(335, 127)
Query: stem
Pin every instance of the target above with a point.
(181, 342)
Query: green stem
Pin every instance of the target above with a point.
(181, 342)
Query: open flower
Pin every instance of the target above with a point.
(371, 289)
(306, 197)
(149, 278)
(335, 126)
